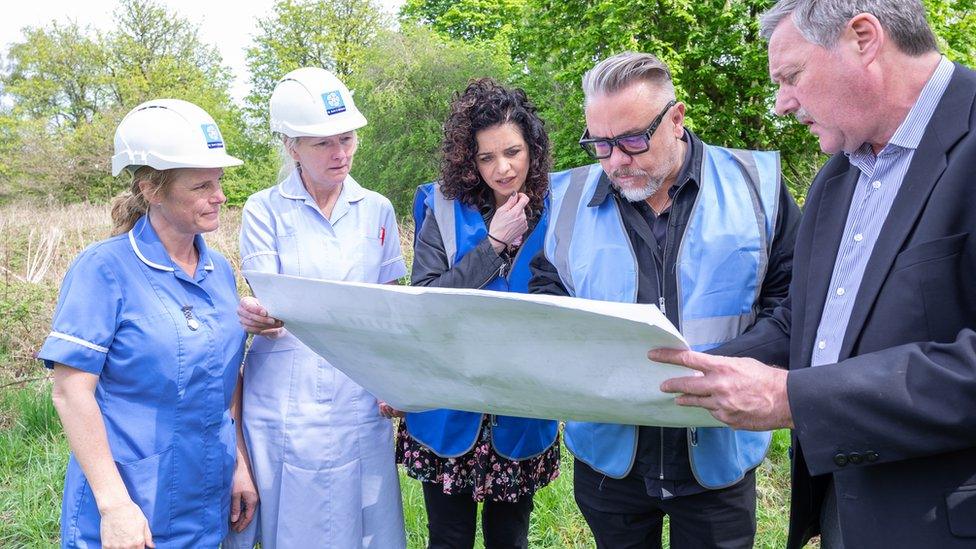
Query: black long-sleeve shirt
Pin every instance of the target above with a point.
(662, 453)
(478, 267)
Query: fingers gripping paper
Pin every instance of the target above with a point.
(501, 353)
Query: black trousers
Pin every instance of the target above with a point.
(451, 520)
(622, 515)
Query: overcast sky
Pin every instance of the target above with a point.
(228, 24)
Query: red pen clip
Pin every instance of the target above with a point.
(382, 235)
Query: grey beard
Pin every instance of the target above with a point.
(641, 193)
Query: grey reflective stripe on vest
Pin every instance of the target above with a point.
(444, 215)
(747, 162)
(716, 329)
(565, 225)
(725, 328)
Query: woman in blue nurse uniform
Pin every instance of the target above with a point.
(146, 349)
(479, 227)
(321, 450)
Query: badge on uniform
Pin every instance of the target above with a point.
(212, 134)
(333, 102)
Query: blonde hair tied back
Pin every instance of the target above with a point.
(129, 205)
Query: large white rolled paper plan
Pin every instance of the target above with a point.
(493, 352)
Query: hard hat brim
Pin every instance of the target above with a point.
(212, 160)
(354, 122)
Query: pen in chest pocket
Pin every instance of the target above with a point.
(382, 235)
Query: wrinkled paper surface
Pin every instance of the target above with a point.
(494, 352)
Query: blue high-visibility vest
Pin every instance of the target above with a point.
(721, 264)
(451, 433)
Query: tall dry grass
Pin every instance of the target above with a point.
(38, 242)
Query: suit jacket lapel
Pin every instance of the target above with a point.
(831, 217)
(949, 123)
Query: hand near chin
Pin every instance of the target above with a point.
(509, 223)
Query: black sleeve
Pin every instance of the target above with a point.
(545, 279)
(431, 266)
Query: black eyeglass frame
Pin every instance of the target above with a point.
(615, 141)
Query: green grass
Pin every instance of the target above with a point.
(34, 453)
(33, 458)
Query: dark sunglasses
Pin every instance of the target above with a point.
(631, 144)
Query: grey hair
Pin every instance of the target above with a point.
(288, 163)
(821, 22)
(619, 71)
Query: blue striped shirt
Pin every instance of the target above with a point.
(877, 186)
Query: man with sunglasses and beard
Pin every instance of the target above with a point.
(706, 234)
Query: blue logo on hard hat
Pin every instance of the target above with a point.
(333, 102)
(212, 134)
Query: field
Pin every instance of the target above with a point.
(37, 244)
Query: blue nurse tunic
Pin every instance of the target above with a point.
(164, 389)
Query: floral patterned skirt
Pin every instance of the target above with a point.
(481, 472)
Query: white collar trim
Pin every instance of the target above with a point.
(135, 248)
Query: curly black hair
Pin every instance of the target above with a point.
(486, 103)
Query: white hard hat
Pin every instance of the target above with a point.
(312, 102)
(169, 133)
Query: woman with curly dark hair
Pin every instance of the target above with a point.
(479, 227)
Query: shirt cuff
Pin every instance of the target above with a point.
(392, 271)
(72, 351)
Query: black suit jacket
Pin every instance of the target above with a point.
(895, 420)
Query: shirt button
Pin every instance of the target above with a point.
(822, 344)
(840, 291)
(876, 184)
(858, 237)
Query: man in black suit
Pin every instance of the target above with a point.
(878, 330)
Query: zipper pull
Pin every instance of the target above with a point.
(694, 436)
(660, 302)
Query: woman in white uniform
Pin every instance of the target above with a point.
(321, 451)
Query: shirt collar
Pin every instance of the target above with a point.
(293, 188)
(149, 249)
(910, 131)
(690, 171)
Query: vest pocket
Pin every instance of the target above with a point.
(148, 482)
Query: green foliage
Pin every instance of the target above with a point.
(954, 23)
(309, 33)
(404, 89)
(465, 19)
(26, 310)
(258, 172)
(67, 86)
(717, 60)
(71, 86)
(57, 74)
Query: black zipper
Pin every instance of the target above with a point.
(662, 276)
